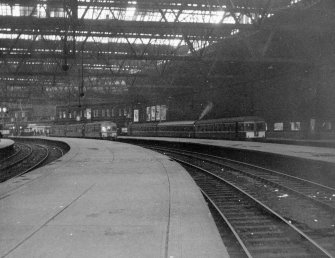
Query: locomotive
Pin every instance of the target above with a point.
(235, 128)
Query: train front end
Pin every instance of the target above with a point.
(109, 131)
(255, 129)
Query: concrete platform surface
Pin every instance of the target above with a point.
(5, 143)
(306, 152)
(106, 199)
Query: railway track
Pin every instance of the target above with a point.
(307, 208)
(55, 152)
(28, 158)
(6, 156)
(29, 155)
(22, 151)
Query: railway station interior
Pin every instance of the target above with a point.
(114, 102)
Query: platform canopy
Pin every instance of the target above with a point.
(53, 50)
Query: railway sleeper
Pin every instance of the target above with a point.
(246, 223)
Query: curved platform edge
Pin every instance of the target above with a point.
(107, 199)
(6, 144)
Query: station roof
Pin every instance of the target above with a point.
(56, 51)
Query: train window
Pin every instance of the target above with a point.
(231, 127)
(295, 126)
(278, 126)
(249, 127)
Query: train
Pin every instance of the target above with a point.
(235, 128)
(96, 130)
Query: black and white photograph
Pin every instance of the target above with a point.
(167, 128)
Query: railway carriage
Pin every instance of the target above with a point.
(143, 129)
(75, 130)
(235, 128)
(58, 130)
(101, 130)
(176, 129)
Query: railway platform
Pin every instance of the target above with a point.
(106, 199)
(315, 164)
(323, 154)
(304, 142)
(6, 144)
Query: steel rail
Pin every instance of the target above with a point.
(240, 241)
(265, 207)
(30, 151)
(35, 165)
(13, 155)
(262, 179)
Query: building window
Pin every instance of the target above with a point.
(120, 112)
(278, 126)
(5, 9)
(103, 113)
(95, 113)
(113, 112)
(129, 113)
(107, 112)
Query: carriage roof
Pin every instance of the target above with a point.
(231, 120)
(176, 123)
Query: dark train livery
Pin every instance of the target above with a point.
(101, 130)
(235, 128)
